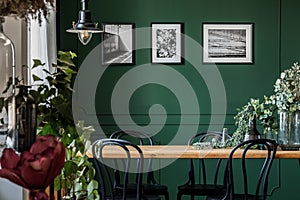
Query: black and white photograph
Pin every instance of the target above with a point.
(166, 43)
(118, 44)
(228, 43)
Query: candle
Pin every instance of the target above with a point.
(224, 133)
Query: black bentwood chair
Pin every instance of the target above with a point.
(151, 189)
(130, 166)
(202, 187)
(259, 191)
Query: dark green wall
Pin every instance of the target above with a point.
(276, 46)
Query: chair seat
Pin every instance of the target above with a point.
(150, 197)
(149, 192)
(236, 197)
(202, 189)
(130, 197)
(201, 185)
(155, 189)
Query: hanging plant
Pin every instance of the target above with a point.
(264, 112)
(24, 9)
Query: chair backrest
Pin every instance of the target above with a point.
(102, 166)
(135, 137)
(138, 138)
(210, 136)
(263, 170)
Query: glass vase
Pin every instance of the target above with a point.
(270, 134)
(25, 119)
(7, 89)
(252, 130)
(289, 130)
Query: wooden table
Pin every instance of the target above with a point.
(183, 151)
(186, 152)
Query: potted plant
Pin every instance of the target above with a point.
(55, 117)
(247, 117)
(287, 94)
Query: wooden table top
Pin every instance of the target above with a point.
(184, 151)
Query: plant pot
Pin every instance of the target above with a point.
(289, 130)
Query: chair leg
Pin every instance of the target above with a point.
(167, 196)
(178, 196)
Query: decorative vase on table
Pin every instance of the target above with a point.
(18, 110)
(270, 133)
(7, 94)
(252, 130)
(26, 123)
(289, 130)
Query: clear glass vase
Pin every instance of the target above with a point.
(270, 134)
(289, 130)
(7, 89)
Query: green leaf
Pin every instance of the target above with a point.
(70, 168)
(1, 103)
(47, 129)
(8, 85)
(81, 162)
(36, 78)
(57, 183)
(93, 185)
(37, 63)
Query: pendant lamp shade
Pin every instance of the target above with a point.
(84, 27)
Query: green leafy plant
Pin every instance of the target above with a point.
(287, 89)
(265, 112)
(54, 113)
(78, 174)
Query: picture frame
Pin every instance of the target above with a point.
(118, 44)
(167, 43)
(227, 42)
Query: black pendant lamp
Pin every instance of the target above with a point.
(84, 27)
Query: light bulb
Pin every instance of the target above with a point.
(84, 36)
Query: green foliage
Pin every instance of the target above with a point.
(54, 114)
(78, 173)
(265, 112)
(54, 98)
(287, 88)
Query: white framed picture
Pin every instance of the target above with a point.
(166, 43)
(118, 44)
(227, 43)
